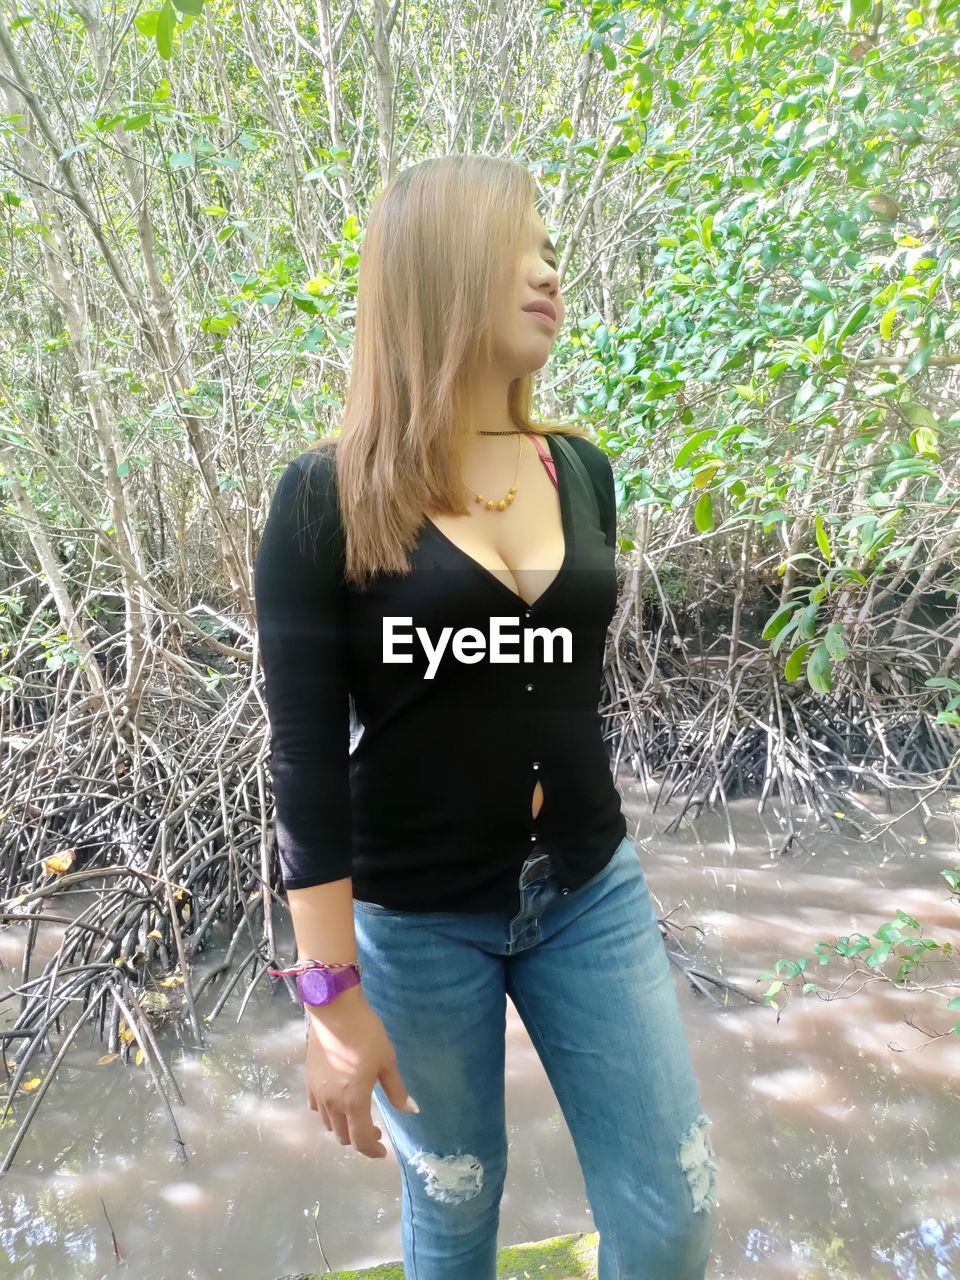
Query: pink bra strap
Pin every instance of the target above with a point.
(546, 457)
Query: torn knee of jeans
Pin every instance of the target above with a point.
(449, 1179)
(696, 1158)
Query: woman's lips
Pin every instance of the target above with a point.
(540, 315)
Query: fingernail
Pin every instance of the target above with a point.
(412, 1106)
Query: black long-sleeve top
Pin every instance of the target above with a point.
(432, 808)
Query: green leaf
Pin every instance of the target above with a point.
(823, 542)
(853, 322)
(690, 447)
(778, 641)
(778, 621)
(898, 471)
(918, 415)
(794, 664)
(816, 288)
(771, 517)
(889, 932)
(818, 670)
(807, 626)
(703, 513)
(886, 323)
(804, 392)
(166, 22)
(836, 641)
(923, 441)
(853, 10)
(918, 360)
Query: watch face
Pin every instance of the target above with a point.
(316, 986)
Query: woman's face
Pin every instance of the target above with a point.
(530, 313)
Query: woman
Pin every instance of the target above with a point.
(459, 587)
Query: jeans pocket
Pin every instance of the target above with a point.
(374, 908)
(610, 865)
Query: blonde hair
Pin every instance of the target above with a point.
(442, 238)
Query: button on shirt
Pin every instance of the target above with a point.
(432, 809)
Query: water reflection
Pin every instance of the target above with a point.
(835, 1124)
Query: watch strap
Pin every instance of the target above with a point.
(318, 987)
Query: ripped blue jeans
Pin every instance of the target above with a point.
(589, 976)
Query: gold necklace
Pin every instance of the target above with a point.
(501, 504)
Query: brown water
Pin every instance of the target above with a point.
(836, 1126)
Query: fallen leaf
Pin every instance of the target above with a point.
(58, 863)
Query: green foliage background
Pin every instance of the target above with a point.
(758, 211)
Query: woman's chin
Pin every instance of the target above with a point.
(535, 359)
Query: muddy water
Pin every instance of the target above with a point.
(836, 1125)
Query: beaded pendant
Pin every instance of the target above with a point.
(496, 504)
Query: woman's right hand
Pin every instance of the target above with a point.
(348, 1051)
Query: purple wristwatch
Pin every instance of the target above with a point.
(318, 983)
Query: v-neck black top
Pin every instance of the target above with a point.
(432, 808)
